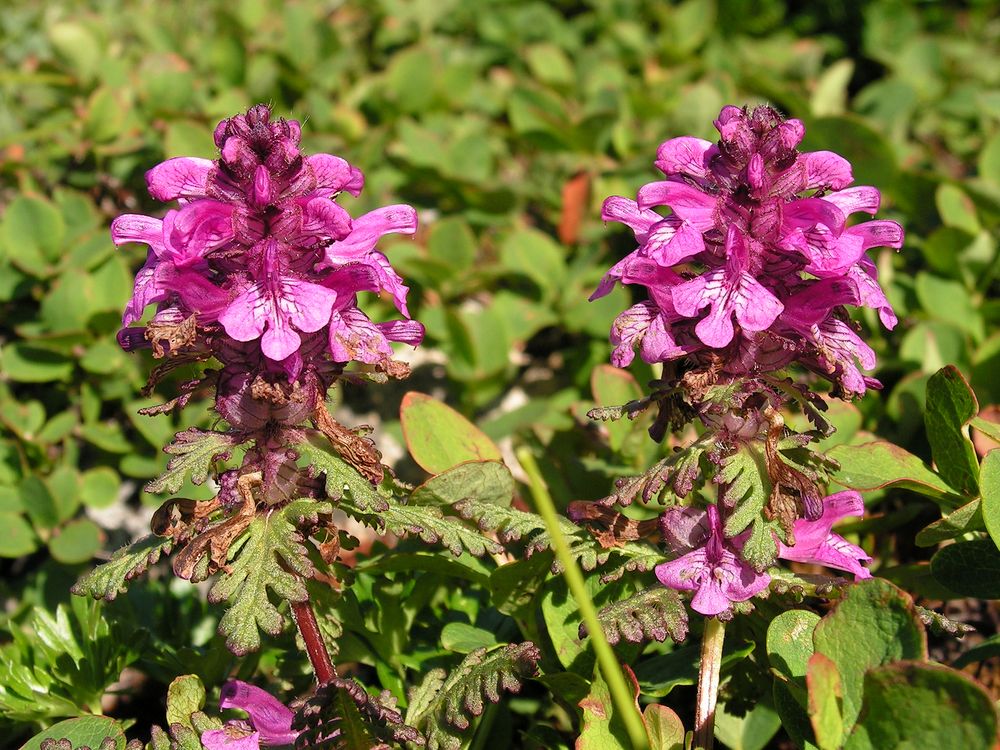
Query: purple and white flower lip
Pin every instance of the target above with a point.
(756, 254)
(259, 248)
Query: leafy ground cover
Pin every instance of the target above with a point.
(505, 125)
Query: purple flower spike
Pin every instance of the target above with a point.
(257, 242)
(716, 574)
(816, 543)
(755, 230)
(270, 720)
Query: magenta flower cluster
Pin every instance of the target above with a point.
(259, 248)
(756, 260)
(270, 720)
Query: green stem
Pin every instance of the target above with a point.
(708, 683)
(610, 669)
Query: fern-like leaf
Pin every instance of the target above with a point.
(440, 706)
(743, 476)
(513, 525)
(655, 614)
(194, 451)
(343, 716)
(343, 482)
(110, 579)
(269, 555)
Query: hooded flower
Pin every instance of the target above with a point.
(716, 574)
(255, 248)
(755, 230)
(816, 543)
(270, 720)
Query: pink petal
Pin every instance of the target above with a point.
(202, 226)
(756, 308)
(865, 275)
(627, 212)
(183, 177)
(353, 337)
(712, 599)
(672, 241)
(685, 155)
(878, 234)
(334, 174)
(404, 331)
(688, 202)
(860, 198)
(366, 232)
(628, 330)
(826, 169)
(138, 228)
(269, 716)
(200, 295)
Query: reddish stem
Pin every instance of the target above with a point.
(315, 646)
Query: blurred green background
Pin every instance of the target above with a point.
(506, 124)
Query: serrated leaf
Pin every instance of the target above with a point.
(343, 482)
(194, 451)
(655, 614)
(742, 475)
(86, 731)
(185, 696)
(108, 580)
(431, 525)
(440, 706)
(269, 555)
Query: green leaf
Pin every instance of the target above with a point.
(33, 230)
(601, 726)
(25, 363)
(981, 651)
(958, 523)
(482, 481)
(956, 208)
(108, 580)
(185, 695)
(18, 538)
(825, 701)
(431, 525)
(530, 253)
(879, 464)
(753, 731)
(969, 568)
(438, 437)
(39, 503)
(444, 708)
(452, 242)
(612, 386)
(78, 46)
(664, 727)
(923, 706)
(660, 674)
(99, 487)
(830, 95)
(874, 624)
(76, 542)
(270, 554)
(86, 731)
(464, 638)
(949, 301)
(990, 429)
(989, 483)
(950, 405)
(789, 647)
(194, 451)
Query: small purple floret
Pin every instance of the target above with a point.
(270, 720)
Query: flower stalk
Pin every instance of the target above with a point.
(319, 657)
(708, 683)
